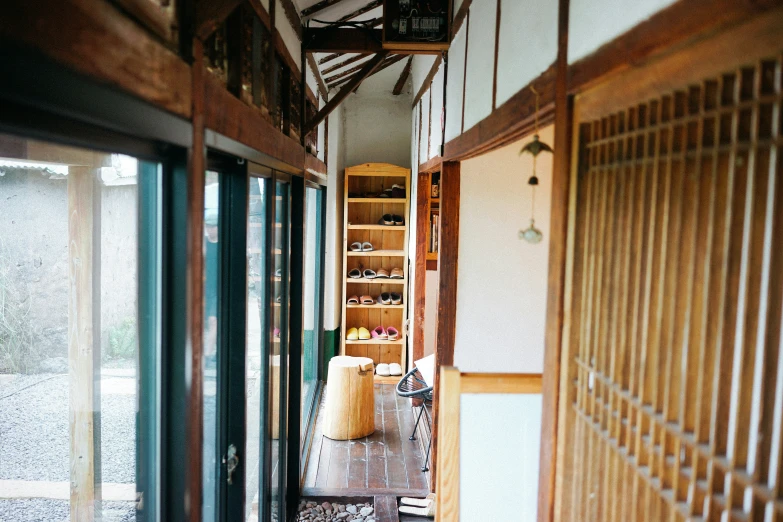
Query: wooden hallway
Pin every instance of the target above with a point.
(385, 461)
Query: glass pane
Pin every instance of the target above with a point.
(279, 353)
(257, 374)
(210, 470)
(312, 302)
(73, 344)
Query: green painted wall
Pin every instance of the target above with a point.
(331, 348)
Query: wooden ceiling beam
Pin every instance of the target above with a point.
(337, 99)
(342, 40)
(328, 58)
(348, 61)
(388, 62)
(318, 7)
(318, 78)
(209, 15)
(403, 77)
(293, 17)
(359, 12)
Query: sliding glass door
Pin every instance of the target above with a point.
(313, 285)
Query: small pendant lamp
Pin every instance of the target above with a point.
(531, 234)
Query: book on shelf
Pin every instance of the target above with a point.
(434, 233)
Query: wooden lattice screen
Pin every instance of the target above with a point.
(673, 345)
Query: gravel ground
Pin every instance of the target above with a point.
(34, 440)
(44, 510)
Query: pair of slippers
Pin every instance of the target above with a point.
(365, 300)
(390, 298)
(358, 334)
(358, 273)
(419, 507)
(391, 220)
(358, 246)
(386, 370)
(385, 334)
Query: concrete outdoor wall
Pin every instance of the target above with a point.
(34, 254)
(502, 280)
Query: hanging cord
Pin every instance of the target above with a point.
(533, 204)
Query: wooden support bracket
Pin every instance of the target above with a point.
(369, 67)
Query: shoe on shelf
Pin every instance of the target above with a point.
(395, 369)
(398, 191)
(356, 246)
(277, 333)
(397, 273)
(392, 334)
(355, 273)
(382, 369)
(379, 333)
(364, 334)
(353, 300)
(369, 274)
(384, 298)
(367, 300)
(353, 335)
(398, 220)
(386, 219)
(366, 246)
(382, 273)
(395, 298)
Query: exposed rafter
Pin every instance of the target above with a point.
(329, 57)
(209, 15)
(318, 7)
(388, 62)
(293, 16)
(359, 12)
(318, 78)
(355, 81)
(349, 61)
(403, 77)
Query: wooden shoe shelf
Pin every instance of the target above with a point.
(390, 250)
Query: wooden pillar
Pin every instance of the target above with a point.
(447, 290)
(83, 309)
(558, 230)
(420, 283)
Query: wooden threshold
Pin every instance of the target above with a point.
(363, 492)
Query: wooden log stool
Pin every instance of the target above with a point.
(349, 412)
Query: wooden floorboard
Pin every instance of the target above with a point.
(385, 463)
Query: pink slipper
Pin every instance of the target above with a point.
(379, 333)
(392, 333)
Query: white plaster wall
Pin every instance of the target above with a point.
(527, 44)
(335, 186)
(502, 281)
(425, 122)
(592, 23)
(454, 85)
(436, 133)
(480, 61)
(420, 67)
(500, 439)
(377, 128)
(310, 79)
(289, 36)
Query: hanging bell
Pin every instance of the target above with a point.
(531, 234)
(533, 180)
(535, 146)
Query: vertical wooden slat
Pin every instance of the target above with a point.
(674, 308)
(448, 445)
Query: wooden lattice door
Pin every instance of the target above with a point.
(673, 375)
